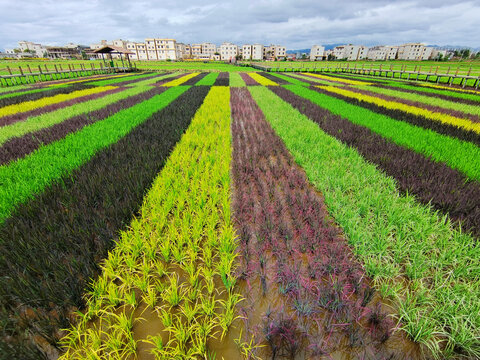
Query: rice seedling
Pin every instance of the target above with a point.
(376, 189)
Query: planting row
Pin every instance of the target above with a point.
(416, 259)
(167, 287)
(51, 245)
(305, 294)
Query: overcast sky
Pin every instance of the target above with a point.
(296, 24)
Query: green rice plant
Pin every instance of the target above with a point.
(186, 212)
(461, 155)
(208, 80)
(172, 294)
(30, 175)
(236, 80)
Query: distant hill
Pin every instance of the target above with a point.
(298, 51)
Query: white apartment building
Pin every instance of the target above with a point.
(362, 53)
(188, 51)
(339, 52)
(382, 53)
(377, 53)
(228, 51)
(257, 52)
(209, 49)
(392, 52)
(274, 52)
(317, 52)
(280, 51)
(414, 51)
(196, 51)
(161, 49)
(38, 49)
(246, 52)
(181, 51)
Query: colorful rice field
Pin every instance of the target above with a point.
(239, 215)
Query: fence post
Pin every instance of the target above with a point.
(21, 71)
(9, 71)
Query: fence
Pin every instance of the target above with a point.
(27, 76)
(431, 75)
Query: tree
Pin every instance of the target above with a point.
(238, 57)
(465, 53)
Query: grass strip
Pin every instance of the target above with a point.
(447, 93)
(428, 100)
(209, 79)
(431, 182)
(123, 80)
(35, 104)
(177, 256)
(313, 80)
(195, 79)
(36, 123)
(53, 244)
(460, 155)
(416, 120)
(275, 79)
(343, 81)
(427, 268)
(395, 105)
(261, 79)
(236, 80)
(291, 80)
(180, 80)
(19, 147)
(86, 79)
(434, 108)
(24, 178)
(36, 95)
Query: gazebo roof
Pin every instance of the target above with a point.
(112, 49)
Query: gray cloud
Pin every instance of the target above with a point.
(294, 23)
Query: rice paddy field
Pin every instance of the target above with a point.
(239, 215)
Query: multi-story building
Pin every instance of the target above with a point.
(188, 51)
(209, 49)
(280, 52)
(377, 53)
(392, 52)
(257, 52)
(339, 52)
(317, 52)
(161, 49)
(181, 51)
(196, 51)
(382, 53)
(38, 50)
(228, 51)
(362, 53)
(246, 52)
(69, 51)
(273, 52)
(414, 51)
